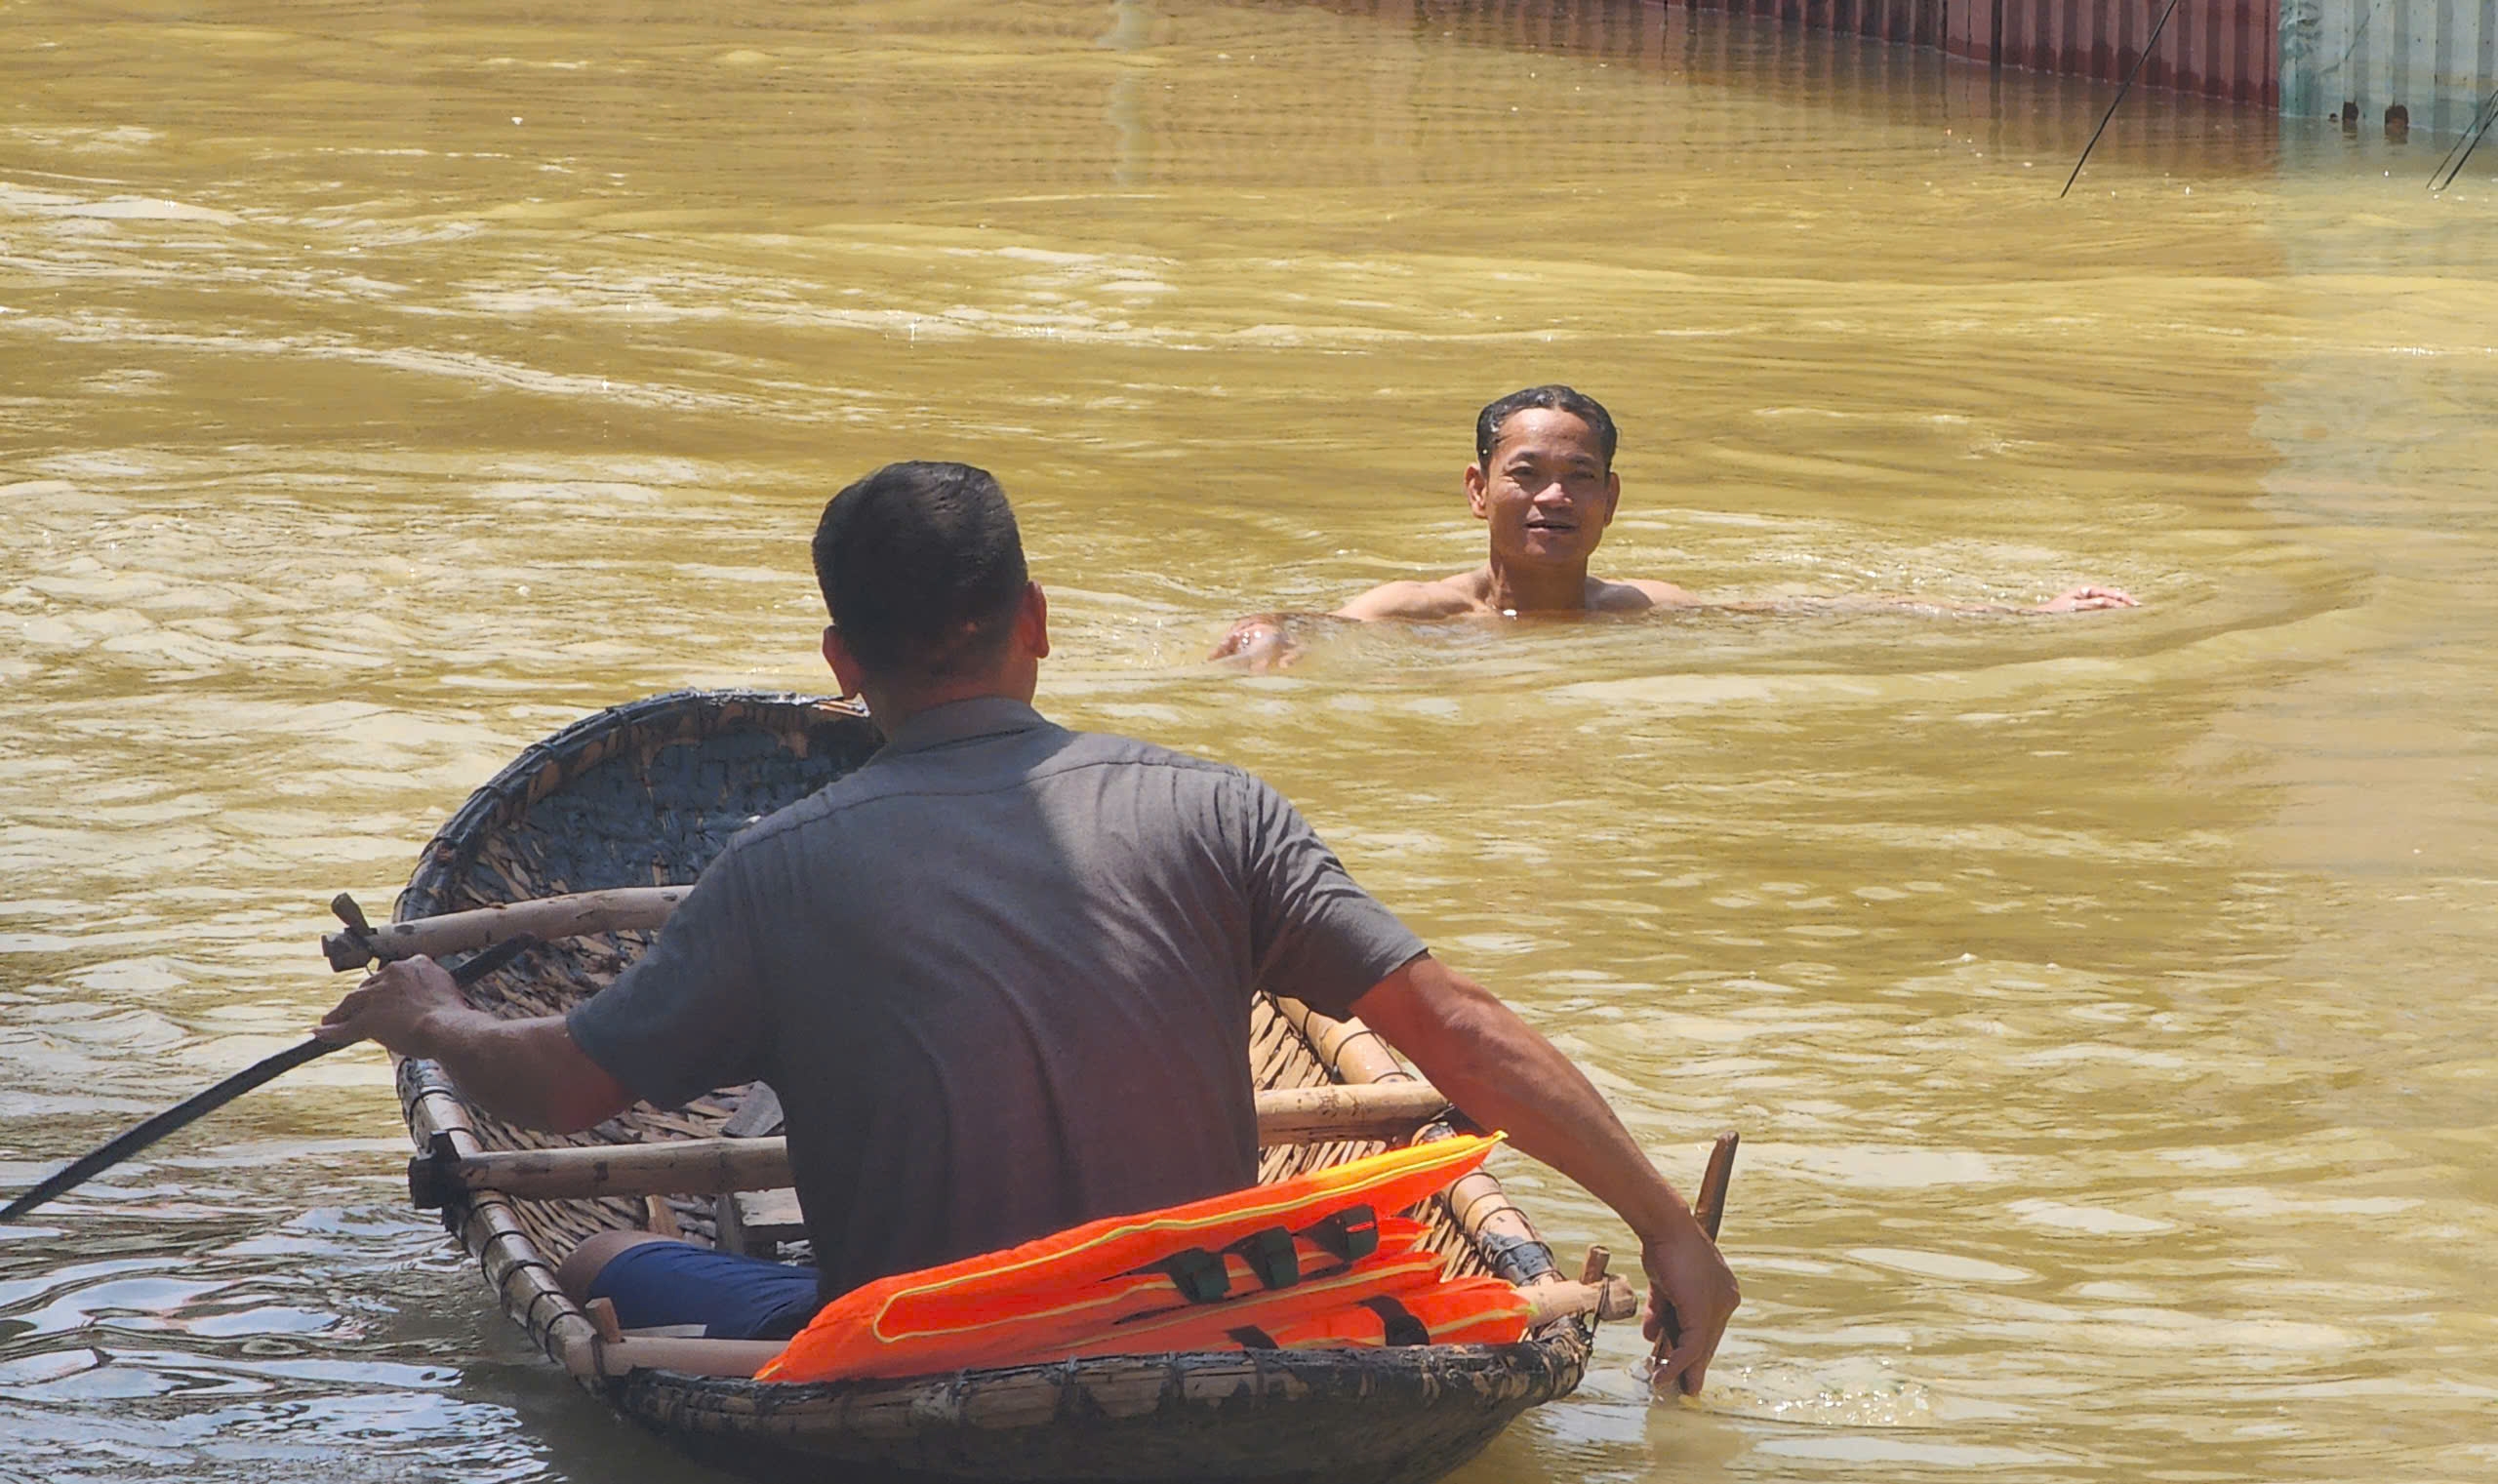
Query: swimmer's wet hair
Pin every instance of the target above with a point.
(1553, 398)
(922, 567)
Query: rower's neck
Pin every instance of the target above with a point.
(892, 703)
(1534, 590)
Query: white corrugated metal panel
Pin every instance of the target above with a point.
(2435, 58)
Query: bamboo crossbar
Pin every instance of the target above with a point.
(1612, 1299)
(716, 1166)
(549, 918)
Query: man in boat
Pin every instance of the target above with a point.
(1000, 976)
(1543, 482)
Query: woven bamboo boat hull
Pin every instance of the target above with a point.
(645, 794)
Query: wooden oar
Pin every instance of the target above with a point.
(716, 1166)
(1709, 1208)
(87, 1167)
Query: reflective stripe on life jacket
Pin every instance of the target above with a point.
(1453, 1311)
(1209, 1325)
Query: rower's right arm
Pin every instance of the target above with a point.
(527, 1071)
(1504, 1075)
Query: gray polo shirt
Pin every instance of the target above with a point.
(1000, 976)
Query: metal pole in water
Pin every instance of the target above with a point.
(2122, 91)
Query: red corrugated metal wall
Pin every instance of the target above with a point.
(1915, 22)
(2229, 49)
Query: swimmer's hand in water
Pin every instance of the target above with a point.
(1259, 642)
(2087, 599)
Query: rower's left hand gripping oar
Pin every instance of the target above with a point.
(1709, 1209)
(88, 1166)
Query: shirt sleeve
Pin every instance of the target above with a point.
(1315, 935)
(689, 1015)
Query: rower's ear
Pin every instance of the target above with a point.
(846, 672)
(1033, 623)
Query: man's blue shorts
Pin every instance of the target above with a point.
(732, 1296)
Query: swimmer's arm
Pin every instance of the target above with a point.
(1264, 640)
(2087, 598)
(1267, 642)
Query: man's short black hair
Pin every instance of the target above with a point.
(1553, 398)
(922, 568)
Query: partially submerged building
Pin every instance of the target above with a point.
(2416, 63)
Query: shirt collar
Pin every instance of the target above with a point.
(960, 720)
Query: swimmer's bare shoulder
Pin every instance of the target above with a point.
(1468, 593)
(1637, 596)
(1446, 598)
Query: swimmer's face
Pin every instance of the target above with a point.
(1545, 490)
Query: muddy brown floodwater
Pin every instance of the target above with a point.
(2105, 1001)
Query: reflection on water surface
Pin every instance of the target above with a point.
(2103, 999)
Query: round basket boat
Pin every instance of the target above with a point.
(646, 795)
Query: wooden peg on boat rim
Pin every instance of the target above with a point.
(359, 933)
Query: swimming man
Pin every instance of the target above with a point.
(1543, 481)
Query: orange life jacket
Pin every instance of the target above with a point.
(1136, 1283)
(1118, 1310)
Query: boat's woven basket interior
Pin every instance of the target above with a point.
(645, 796)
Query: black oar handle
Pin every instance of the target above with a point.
(87, 1167)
